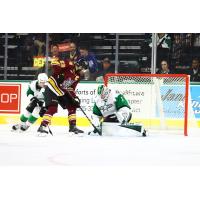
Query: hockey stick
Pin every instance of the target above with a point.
(50, 131)
(95, 128)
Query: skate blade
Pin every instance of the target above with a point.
(72, 134)
(145, 133)
(17, 131)
(42, 134)
(14, 131)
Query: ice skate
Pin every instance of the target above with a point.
(42, 131)
(74, 130)
(15, 127)
(144, 133)
(20, 127)
(24, 127)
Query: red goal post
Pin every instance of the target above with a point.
(161, 97)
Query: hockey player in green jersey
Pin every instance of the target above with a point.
(35, 108)
(110, 107)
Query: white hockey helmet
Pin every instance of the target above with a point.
(42, 78)
(103, 92)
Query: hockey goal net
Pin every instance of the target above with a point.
(158, 101)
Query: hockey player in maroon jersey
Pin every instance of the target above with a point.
(61, 90)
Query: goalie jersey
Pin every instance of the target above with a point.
(34, 90)
(108, 102)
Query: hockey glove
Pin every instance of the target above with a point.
(82, 64)
(76, 102)
(35, 101)
(40, 103)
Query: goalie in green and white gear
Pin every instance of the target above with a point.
(35, 108)
(113, 109)
(110, 106)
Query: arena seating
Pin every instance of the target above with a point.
(103, 45)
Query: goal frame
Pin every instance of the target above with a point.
(187, 83)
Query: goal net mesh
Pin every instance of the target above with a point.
(159, 102)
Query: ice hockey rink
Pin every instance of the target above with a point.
(27, 149)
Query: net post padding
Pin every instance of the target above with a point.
(176, 78)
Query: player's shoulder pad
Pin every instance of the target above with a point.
(121, 102)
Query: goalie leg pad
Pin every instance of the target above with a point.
(116, 129)
(136, 127)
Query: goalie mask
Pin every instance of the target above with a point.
(103, 92)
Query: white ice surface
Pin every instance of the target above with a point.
(157, 149)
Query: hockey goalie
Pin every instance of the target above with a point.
(112, 115)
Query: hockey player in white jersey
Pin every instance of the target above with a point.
(35, 108)
(113, 111)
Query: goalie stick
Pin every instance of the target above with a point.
(95, 128)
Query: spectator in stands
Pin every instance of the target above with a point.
(163, 46)
(74, 54)
(165, 69)
(28, 51)
(25, 51)
(182, 51)
(39, 45)
(194, 71)
(90, 61)
(55, 51)
(177, 50)
(54, 55)
(107, 67)
(196, 45)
